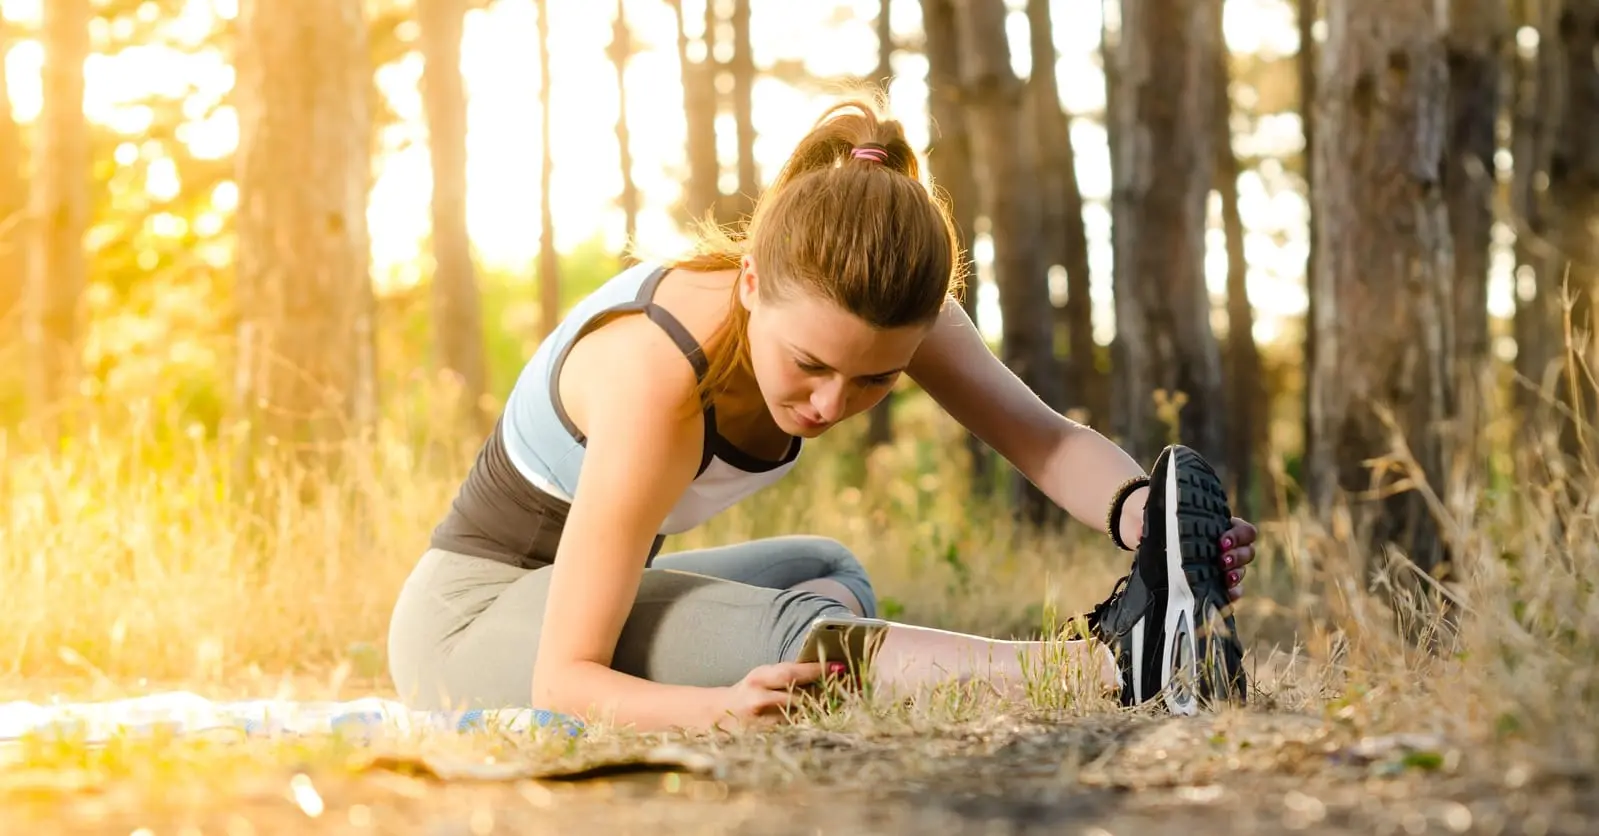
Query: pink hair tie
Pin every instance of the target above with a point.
(869, 152)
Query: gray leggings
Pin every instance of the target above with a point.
(465, 630)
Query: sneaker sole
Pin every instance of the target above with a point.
(1196, 656)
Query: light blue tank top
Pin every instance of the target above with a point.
(547, 449)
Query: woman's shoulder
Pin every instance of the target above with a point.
(627, 360)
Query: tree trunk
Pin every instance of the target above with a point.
(549, 260)
(1246, 399)
(59, 207)
(994, 99)
(1476, 36)
(1532, 133)
(741, 66)
(457, 314)
(1166, 63)
(621, 53)
(13, 216)
(1307, 13)
(702, 194)
(1065, 237)
(949, 160)
(1574, 192)
(880, 424)
(306, 366)
(1384, 272)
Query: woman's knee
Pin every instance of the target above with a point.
(843, 567)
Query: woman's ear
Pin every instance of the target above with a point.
(748, 283)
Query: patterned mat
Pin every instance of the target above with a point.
(184, 713)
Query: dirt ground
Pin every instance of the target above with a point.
(1251, 772)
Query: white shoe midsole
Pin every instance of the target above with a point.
(1179, 628)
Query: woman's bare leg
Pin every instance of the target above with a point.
(912, 658)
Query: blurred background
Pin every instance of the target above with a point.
(1345, 248)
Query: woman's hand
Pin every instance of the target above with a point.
(1237, 552)
(762, 695)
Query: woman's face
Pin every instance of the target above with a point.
(817, 364)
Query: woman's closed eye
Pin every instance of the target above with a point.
(813, 368)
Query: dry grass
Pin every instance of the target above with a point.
(130, 566)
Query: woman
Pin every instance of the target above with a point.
(676, 390)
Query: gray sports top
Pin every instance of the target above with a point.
(536, 445)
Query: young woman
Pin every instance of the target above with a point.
(675, 390)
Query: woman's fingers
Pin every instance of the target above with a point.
(784, 675)
(1242, 556)
(1238, 551)
(1241, 531)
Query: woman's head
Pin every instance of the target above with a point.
(846, 262)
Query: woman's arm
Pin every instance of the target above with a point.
(1073, 464)
(642, 452)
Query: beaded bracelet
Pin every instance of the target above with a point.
(1119, 499)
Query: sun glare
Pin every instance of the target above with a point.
(501, 70)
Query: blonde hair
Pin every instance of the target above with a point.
(848, 219)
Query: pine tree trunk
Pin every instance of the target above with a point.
(880, 423)
(549, 260)
(1307, 13)
(1537, 318)
(457, 311)
(949, 160)
(13, 217)
(1384, 272)
(741, 66)
(1065, 237)
(1246, 398)
(621, 53)
(702, 194)
(306, 365)
(1166, 63)
(1574, 192)
(1474, 43)
(59, 208)
(995, 99)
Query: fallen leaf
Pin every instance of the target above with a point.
(448, 768)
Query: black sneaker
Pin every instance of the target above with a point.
(1168, 621)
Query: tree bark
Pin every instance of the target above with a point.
(949, 160)
(1384, 272)
(1537, 318)
(1065, 237)
(457, 312)
(1246, 399)
(621, 53)
(1474, 41)
(880, 420)
(1307, 13)
(59, 209)
(1166, 62)
(306, 365)
(994, 99)
(13, 215)
(741, 66)
(1574, 192)
(702, 194)
(549, 260)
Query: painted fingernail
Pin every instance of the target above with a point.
(1232, 577)
(835, 667)
(1226, 560)
(1226, 543)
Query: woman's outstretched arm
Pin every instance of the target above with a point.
(1073, 464)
